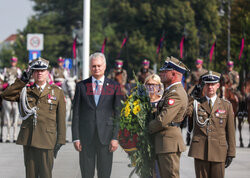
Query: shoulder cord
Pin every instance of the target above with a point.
(196, 118)
(28, 111)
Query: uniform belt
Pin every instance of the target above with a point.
(172, 124)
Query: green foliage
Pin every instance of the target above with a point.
(134, 119)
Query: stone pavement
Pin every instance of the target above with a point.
(67, 163)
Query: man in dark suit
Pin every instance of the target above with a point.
(96, 104)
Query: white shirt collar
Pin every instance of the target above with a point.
(213, 99)
(101, 80)
(43, 86)
(172, 85)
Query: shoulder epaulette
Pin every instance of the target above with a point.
(55, 86)
(226, 100)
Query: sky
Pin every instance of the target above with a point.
(14, 15)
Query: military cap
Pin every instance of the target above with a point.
(14, 59)
(230, 63)
(39, 64)
(119, 63)
(199, 61)
(145, 62)
(211, 77)
(60, 59)
(174, 64)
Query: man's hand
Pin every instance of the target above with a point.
(229, 160)
(113, 145)
(78, 146)
(56, 149)
(26, 75)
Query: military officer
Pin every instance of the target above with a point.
(12, 72)
(170, 113)
(42, 109)
(119, 74)
(213, 142)
(233, 77)
(193, 78)
(145, 71)
(59, 73)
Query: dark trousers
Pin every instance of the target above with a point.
(96, 153)
(208, 169)
(38, 162)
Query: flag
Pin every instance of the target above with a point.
(160, 44)
(181, 47)
(74, 48)
(104, 44)
(211, 52)
(124, 41)
(242, 47)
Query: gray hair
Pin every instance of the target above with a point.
(97, 55)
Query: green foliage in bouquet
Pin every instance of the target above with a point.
(134, 119)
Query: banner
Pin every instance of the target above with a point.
(160, 45)
(74, 49)
(124, 41)
(104, 44)
(181, 47)
(211, 52)
(241, 48)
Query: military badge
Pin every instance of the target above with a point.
(171, 101)
(51, 97)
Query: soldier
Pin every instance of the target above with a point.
(119, 74)
(213, 142)
(193, 79)
(13, 72)
(42, 109)
(59, 73)
(234, 79)
(144, 71)
(170, 112)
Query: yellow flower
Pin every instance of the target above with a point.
(130, 96)
(127, 110)
(135, 103)
(136, 109)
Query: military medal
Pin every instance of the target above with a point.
(221, 121)
(217, 114)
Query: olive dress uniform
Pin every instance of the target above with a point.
(168, 138)
(213, 136)
(40, 134)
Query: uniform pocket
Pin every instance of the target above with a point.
(196, 139)
(51, 130)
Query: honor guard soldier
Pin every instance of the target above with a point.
(119, 74)
(213, 142)
(13, 72)
(233, 77)
(170, 113)
(145, 71)
(194, 77)
(59, 73)
(42, 109)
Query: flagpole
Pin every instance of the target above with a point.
(86, 36)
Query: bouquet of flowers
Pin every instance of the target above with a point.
(134, 136)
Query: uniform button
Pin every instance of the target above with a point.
(37, 108)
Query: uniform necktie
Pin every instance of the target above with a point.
(210, 104)
(97, 92)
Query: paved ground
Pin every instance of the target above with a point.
(67, 166)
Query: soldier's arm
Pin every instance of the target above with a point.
(12, 93)
(168, 113)
(60, 118)
(230, 132)
(236, 80)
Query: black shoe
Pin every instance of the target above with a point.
(7, 141)
(1, 140)
(14, 141)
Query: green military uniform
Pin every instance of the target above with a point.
(213, 135)
(168, 138)
(233, 77)
(39, 132)
(58, 74)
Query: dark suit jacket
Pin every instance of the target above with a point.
(87, 117)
